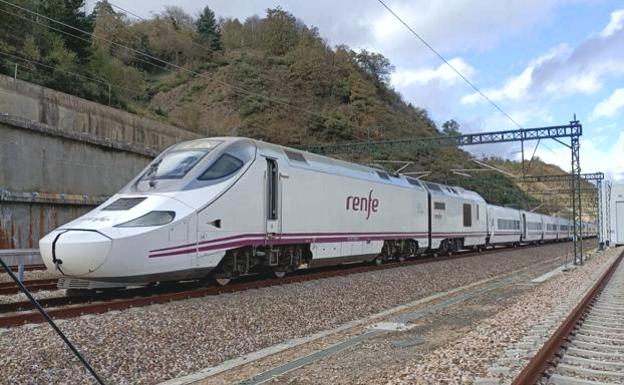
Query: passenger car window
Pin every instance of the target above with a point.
(225, 165)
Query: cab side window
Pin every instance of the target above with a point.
(225, 165)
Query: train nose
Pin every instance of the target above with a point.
(79, 252)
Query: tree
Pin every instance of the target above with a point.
(450, 128)
(208, 29)
(170, 36)
(126, 82)
(179, 19)
(310, 66)
(108, 26)
(232, 33)
(280, 32)
(69, 12)
(375, 65)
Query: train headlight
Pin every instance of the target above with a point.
(153, 218)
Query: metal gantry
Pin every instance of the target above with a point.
(576, 189)
(590, 177)
(573, 130)
(577, 216)
(608, 212)
(575, 196)
(598, 204)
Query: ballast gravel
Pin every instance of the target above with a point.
(19, 297)
(473, 358)
(30, 274)
(152, 344)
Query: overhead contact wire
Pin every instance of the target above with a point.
(452, 67)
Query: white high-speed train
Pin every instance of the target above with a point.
(227, 207)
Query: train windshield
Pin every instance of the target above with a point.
(174, 165)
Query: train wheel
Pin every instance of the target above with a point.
(279, 273)
(378, 260)
(445, 248)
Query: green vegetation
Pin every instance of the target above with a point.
(555, 197)
(270, 77)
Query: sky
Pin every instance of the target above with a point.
(541, 61)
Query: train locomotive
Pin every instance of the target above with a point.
(226, 207)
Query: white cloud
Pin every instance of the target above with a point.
(443, 73)
(517, 87)
(616, 23)
(565, 71)
(610, 106)
(595, 156)
(459, 25)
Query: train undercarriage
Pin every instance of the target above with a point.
(280, 260)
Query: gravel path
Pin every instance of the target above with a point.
(149, 345)
(472, 356)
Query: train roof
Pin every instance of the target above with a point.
(304, 159)
(299, 158)
(452, 191)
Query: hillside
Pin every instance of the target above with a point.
(270, 77)
(554, 196)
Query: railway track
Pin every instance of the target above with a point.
(588, 347)
(40, 266)
(7, 288)
(19, 313)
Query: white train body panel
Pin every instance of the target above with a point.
(456, 213)
(103, 250)
(358, 211)
(504, 225)
(313, 206)
(564, 229)
(550, 227)
(616, 216)
(532, 226)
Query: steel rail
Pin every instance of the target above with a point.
(102, 304)
(4, 285)
(32, 286)
(537, 367)
(38, 266)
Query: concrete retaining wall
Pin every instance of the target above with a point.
(61, 155)
(72, 114)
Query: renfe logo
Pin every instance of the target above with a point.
(363, 204)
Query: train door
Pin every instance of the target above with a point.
(273, 198)
(524, 226)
